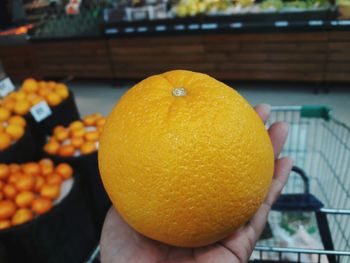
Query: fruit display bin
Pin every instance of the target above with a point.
(93, 191)
(62, 114)
(67, 228)
(319, 184)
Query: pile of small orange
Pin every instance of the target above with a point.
(32, 92)
(12, 128)
(79, 138)
(29, 190)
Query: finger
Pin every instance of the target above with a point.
(283, 167)
(278, 133)
(263, 110)
(282, 170)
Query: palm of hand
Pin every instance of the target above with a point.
(121, 243)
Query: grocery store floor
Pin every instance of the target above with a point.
(97, 96)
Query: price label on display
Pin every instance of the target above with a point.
(6, 86)
(40, 111)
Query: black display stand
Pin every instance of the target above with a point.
(94, 193)
(22, 151)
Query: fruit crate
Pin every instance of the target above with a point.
(318, 188)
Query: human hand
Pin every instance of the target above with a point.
(120, 243)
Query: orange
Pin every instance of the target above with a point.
(53, 99)
(101, 122)
(43, 92)
(32, 97)
(46, 166)
(7, 209)
(20, 96)
(18, 120)
(76, 125)
(2, 196)
(51, 191)
(51, 84)
(61, 135)
(46, 162)
(65, 170)
(11, 96)
(66, 150)
(185, 159)
(62, 91)
(30, 85)
(22, 216)
(77, 142)
(5, 141)
(4, 114)
(54, 179)
(39, 182)
(92, 136)
(24, 199)
(52, 147)
(78, 133)
(31, 168)
(41, 205)
(15, 131)
(58, 129)
(14, 177)
(9, 104)
(2, 184)
(89, 120)
(21, 107)
(14, 167)
(5, 224)
(4, 171)
(25, 182)
(88, 147)
(36, 101)
(42, 84)
(97, 115)
(2, 126)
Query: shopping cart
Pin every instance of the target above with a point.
(318, 189)
(317, 193)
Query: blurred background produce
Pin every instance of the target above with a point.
(30, 190)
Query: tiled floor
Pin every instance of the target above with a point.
(92, 97)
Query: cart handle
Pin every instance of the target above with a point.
(307, 111)
(316, 111)
(303, 176)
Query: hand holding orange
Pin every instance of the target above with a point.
(185, 159)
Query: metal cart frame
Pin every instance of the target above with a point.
(320, 147)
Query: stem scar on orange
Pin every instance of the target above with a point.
(185, 159)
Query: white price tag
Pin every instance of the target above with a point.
(40, 111)
(6, 86)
